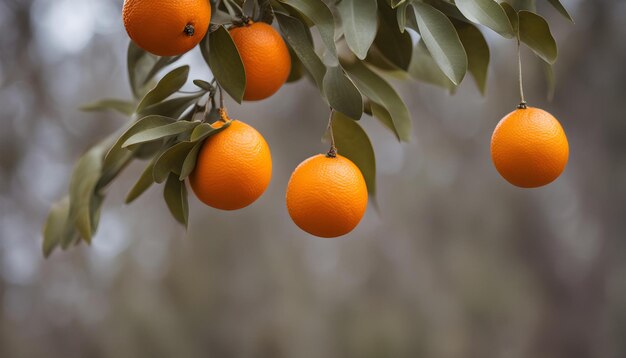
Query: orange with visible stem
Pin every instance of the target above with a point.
(529, 147)
(327, 194)
(166, 27)
(233, 168)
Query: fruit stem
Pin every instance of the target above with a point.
(221, 95)
(189, 30)
(223, 115)
(522, 104)
(332, 152)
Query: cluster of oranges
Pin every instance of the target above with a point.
(327, 194)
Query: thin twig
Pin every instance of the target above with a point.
(332, 152)
(522, 104)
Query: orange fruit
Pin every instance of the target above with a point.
(233, 169)
(327, 197)
(265, 58)
(166, 27)
(529, 148)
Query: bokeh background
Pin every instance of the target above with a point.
(455, 262)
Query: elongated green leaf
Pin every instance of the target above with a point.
(296, 35)
(359, 24)
(424, 68)
(167, 86)
(442, 41)
(82, 185)
(118, 105)
(55, 225)
(379, 112)
(226, 64)
(511, 13)
(205, 130)
(160, 132)
(190, 161)
(171, 161)
(394, 45)
(520, 5)
(535, 32)
(378, 90)
(353, 143)
(448, 8)
(117, 153)
(144, 182)
(319, 13)
(561, 9)
(488, 13)
(143, 66)
(175, 194)
(342, 94)
(477, 53)
(297, 68)
(172, 108)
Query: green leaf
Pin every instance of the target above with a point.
(322, 17)
(353, 143)
(160, 132)
(171, 161)
(477, 53)
(448, 8)
(488, 13)
(144, 182)
(205, 130)
(55, 225)
(296, 35)
(190, 161)
(175, 194)
(442, 41)
(226, 64)
(342, 94)
(520, 5)
(167, 86)
(378, 90)
(511, 13)
(535, 32)
(172, 108)
(121, 106)
(379, 112)
(143, 66)
(117, 153)
(561, 9)
(359, 24)
(297, 68)
(204, 85)
(82, 185)
(394, 45)
(424, 68)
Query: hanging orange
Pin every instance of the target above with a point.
(233, 169)
(327, 196)
(265, 58)
(529, 148)
(166, 27)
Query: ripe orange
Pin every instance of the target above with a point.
(327, 197)
(529, 148)
(166, 27)
(233, 169)
(265, 58)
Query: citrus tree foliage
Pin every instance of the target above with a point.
(359, 44)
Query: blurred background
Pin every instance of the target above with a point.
(455, 263)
